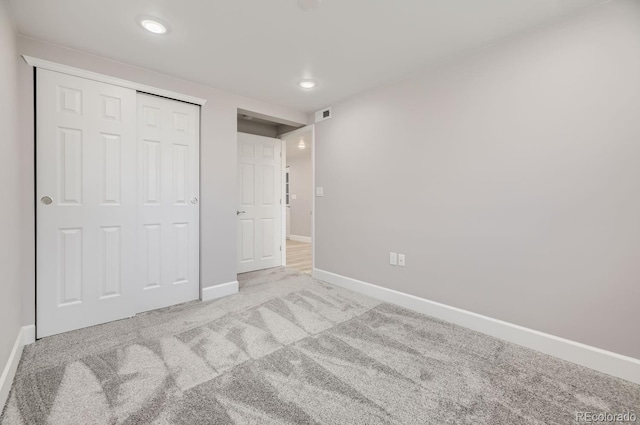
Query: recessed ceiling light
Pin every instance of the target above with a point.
(307, 84)
(153, 26)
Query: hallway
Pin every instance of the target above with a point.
(299, 256)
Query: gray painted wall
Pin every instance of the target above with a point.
(301, 184)
(11, 207)
(510, 179)
(218, 155)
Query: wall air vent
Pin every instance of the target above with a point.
(324, 114)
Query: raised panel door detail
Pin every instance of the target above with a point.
(151, 116)
(70, 266)
(180, 173)
(181, 238)
(70, 166)
(151, 172)
(111, 176)
(267, 151)
(246, 240)
(151, 248)
(268, 234)
(69, 100)
(111, 108)
(247, 184)
(268, 189)
(110, 265)
(247, 149)
(180, 122)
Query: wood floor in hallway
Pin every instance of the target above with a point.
(299, 256)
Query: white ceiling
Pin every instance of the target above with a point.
(261, 48)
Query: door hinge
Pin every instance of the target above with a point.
(280, 248)
(280, 201)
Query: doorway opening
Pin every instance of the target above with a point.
(275, 194)
(299, 199)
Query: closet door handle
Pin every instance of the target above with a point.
(240, 212)
(46, 200)
(194, 201)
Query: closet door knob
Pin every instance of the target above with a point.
(46, 200)
(194, 201)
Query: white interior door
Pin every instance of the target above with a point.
(86, 202)
(168, 205)
(260, 202)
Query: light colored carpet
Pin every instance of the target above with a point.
(291, 350)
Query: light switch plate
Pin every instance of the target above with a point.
(319, 191)
(393, 258)
(294, 196)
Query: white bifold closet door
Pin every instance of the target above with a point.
(95, 165)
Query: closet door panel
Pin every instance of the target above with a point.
(168, 205)
(85, 202)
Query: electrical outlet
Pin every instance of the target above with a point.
(319, 191)
(401, 260)
(393, 258)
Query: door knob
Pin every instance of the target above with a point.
(194, 201)
(46, 200)
(240, 212)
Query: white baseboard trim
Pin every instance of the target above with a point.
(219, 291)
(297, 238)
(26, 336)
(614, 364)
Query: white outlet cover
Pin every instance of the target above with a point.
(294, 196)
(319, 191)
(401, 260)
